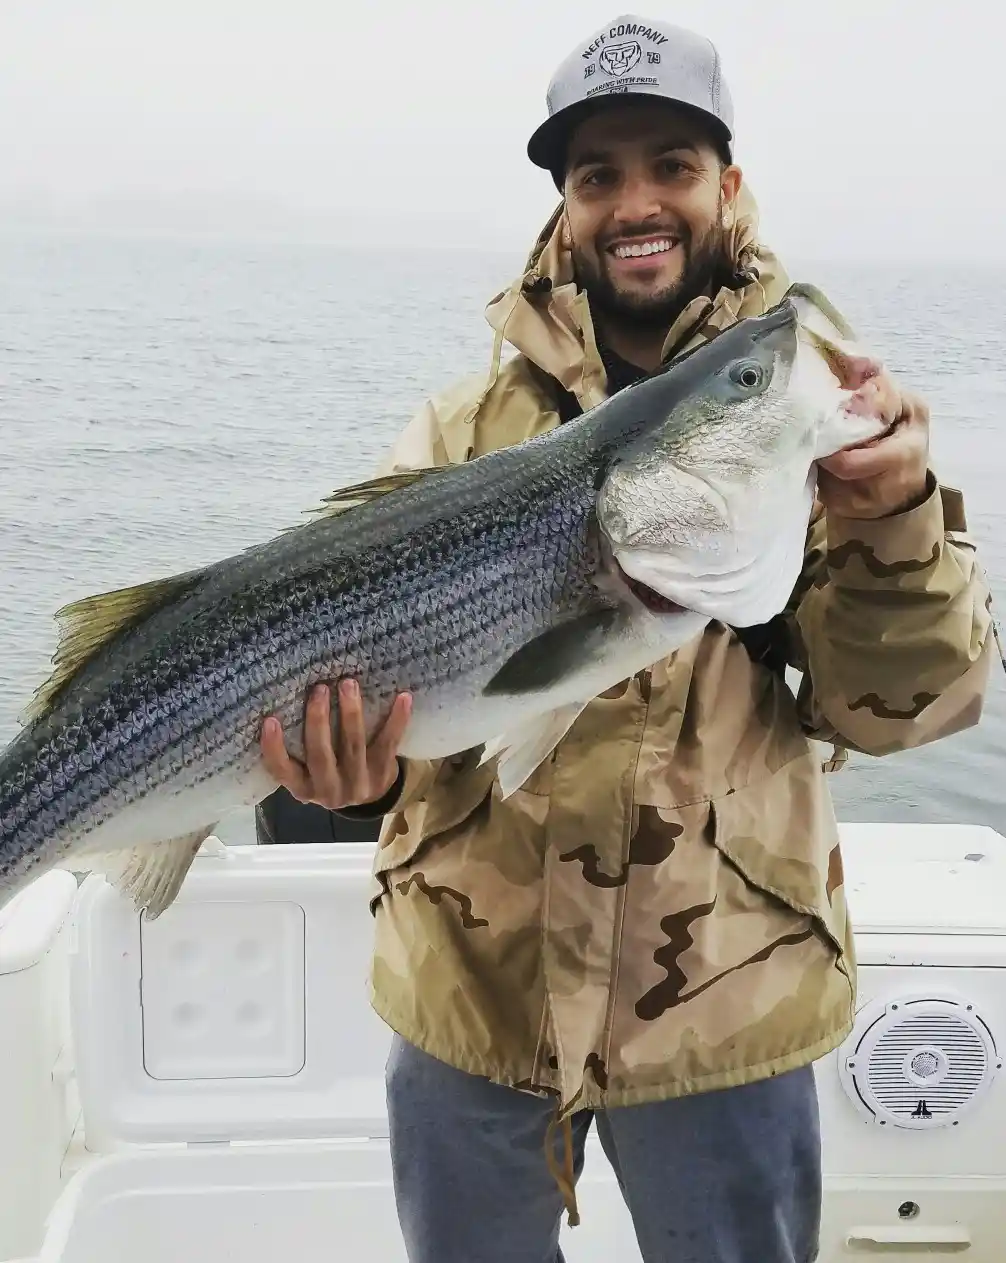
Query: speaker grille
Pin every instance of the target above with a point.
(944, 1057)
(918, 1062)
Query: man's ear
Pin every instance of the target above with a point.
(730, 185)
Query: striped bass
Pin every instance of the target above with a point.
(504, 594)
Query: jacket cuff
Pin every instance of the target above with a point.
(381, 806)
(896, 551)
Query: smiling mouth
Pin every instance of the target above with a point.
(642, 249)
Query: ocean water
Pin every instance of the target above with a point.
(164, 404)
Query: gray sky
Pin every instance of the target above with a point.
(867, 126)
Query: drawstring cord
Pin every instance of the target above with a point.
(494, 369)
(564, 1176)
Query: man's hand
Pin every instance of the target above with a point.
(886, 475)
(348, 772)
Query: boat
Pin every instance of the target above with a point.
(210, 1086)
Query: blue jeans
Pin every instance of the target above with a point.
(732, 1176)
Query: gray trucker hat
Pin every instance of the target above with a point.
(632, 55)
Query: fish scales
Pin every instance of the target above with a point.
(415, 616)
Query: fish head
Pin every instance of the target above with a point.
(707, 508)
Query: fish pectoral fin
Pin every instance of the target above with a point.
(151, 874)
(525, 748)
(554, 655)
(88, 625)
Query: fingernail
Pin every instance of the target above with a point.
(350, 688)
(320, 692)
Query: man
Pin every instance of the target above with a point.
(651, 934)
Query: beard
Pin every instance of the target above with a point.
(705, 262)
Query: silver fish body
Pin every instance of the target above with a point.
(504, 594)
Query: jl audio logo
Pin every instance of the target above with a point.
(921, 1111)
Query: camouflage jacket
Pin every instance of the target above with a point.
(660, 909)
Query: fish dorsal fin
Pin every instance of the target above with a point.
(87, 625)
(345, 498)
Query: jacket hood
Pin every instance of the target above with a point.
(546, 316)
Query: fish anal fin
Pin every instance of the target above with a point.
(150, 875)
(87, 625)
(525, 748)
(554, 655)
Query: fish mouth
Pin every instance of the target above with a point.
(877, 438)
(646, 596)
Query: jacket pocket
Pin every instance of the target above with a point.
(779, 833)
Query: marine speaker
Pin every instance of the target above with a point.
(919, 1061)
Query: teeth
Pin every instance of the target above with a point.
(648, 247)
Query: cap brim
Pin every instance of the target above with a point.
(547, 146)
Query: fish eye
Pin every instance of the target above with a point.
(748, 374)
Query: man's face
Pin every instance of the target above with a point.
(645, 197)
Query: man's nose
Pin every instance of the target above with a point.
(638, 201)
